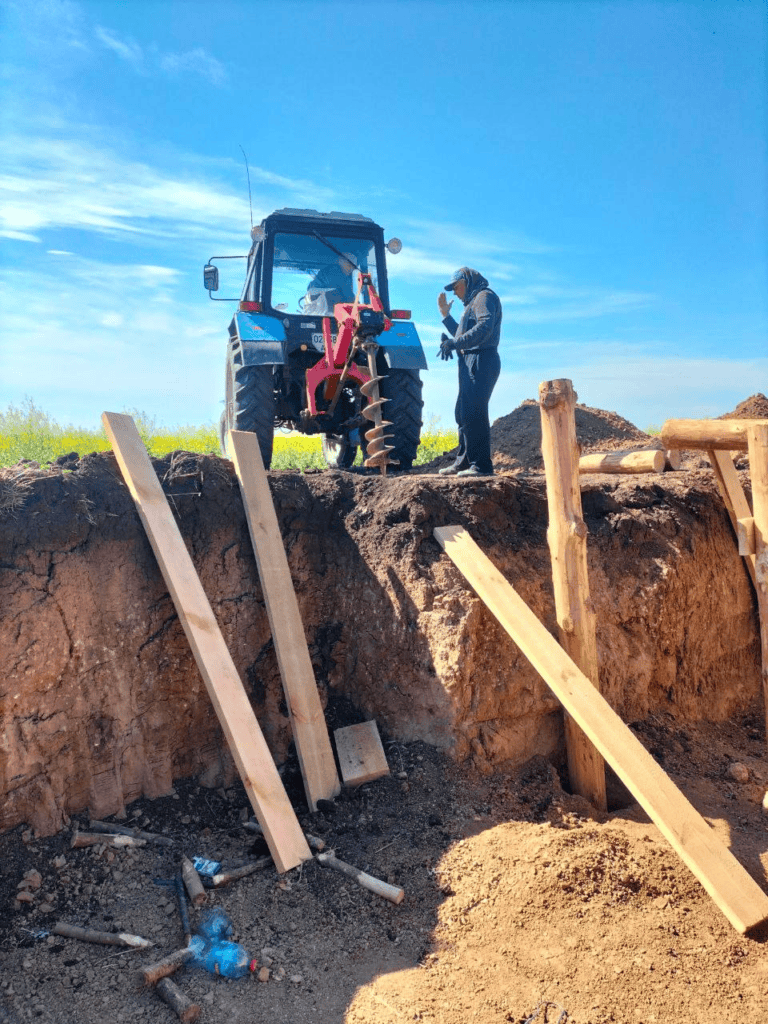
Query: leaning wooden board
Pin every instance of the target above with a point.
(310, 732)
(738, 896)
(257, 768)
(734, 497)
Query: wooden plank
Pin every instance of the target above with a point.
(310, 732)
(758, 467)
(567, 538)
(745, 535)
(733, 495)
(361, 755)
(254, 762)
(648, 460)
(707, 435)
(737, 895)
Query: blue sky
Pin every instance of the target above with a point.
(603, 163)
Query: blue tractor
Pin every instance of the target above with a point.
(315, 345)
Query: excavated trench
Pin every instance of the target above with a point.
(101, 698)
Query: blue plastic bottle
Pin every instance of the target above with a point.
(212, 950)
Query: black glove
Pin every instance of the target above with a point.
(447, 347)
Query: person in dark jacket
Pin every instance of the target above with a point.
(476, 340)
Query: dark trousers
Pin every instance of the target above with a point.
(478, 373)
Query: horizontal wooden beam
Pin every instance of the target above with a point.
(737, 895)
(707, 435)
(649, 460)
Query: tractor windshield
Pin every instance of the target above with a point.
(310, 278)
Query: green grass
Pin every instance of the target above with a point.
(27, 432)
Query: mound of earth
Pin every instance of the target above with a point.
(752, 408)
(516, 437)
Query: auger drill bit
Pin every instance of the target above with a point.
(377, 448)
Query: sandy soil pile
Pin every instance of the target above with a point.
(516, 438)
(753, 408)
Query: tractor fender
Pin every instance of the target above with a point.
(402, 348)
(259, 338)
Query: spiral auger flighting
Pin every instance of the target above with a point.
(376, 438)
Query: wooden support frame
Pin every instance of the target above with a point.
(707, 435)
(246, 741)
(734, 891)
(757, 436)
(567, 538)
(733, 496)
(310, 732)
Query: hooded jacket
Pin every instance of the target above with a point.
(480, 324)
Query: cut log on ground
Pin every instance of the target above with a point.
(310, 732)
(737, 895)
(361, 755)
(246, 741)
(73, 931)
(193, 883)
(393, 893)
(154, 972)
(758, 464)
(315, 842)
(649, 460)
(567, 538)
(733, 495)
(110, 828)
(82, 839)
(225, 877)
(707, 435)
(182, 1006)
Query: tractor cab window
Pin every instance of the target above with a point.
(309, 277)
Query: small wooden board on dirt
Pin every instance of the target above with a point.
(361, 755)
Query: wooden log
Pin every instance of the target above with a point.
(154, 972)
(733, 496)
(110, 828)
(647, 460)
(192, 882)
(184, 1008)
(225, 877)
(745, 535)
(567, 539)
(392, 893)
(245, 739)
(73, 931)
(707, 435)
(83, 839)
(737, 895)
(361, 755)
(181, 895)
(758, 466)
(310, 732)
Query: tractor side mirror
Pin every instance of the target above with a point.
(211, 277)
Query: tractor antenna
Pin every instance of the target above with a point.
(248, 175)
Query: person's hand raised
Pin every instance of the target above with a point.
(443, 305)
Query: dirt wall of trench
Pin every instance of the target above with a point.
(101, 700)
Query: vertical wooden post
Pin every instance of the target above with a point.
(757, 437)
(566, 536)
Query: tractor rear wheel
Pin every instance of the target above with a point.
(250, 405)
(403, 410)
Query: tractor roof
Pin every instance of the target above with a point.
(316, 215)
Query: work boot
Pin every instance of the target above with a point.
(448, 470)
(473, 471)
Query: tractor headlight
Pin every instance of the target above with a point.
(394, 245)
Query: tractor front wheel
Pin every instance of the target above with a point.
(250, 405)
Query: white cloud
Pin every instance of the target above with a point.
(127, 50)
(196, 62)
(68, 182)
(537, 303)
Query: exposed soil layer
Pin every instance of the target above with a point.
(103, 702)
